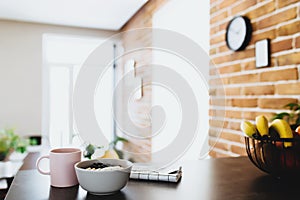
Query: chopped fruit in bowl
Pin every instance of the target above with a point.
(273, 147)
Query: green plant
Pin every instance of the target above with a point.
(90, 148)
(10, 141)
(292, 117)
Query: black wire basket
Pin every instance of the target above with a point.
(279, 157)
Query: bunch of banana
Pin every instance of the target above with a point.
(262, 128)
(283, 129)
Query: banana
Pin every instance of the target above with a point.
(111, 153)
(248, 128)
(284, 130)
(262, 125)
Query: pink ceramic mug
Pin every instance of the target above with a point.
(62, 161)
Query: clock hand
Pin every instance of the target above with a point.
(239, 30)
(232, 30)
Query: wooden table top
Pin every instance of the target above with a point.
(225, 178)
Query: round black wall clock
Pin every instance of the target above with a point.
(238, 33)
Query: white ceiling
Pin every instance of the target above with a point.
(99, 14)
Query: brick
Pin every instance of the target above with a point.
(289, 88)
(289, 29)
(213, 154)
(289, 59)
(153, 6)
(218, 101)
(223, 48)
(221, 59)
(254, 26)
(213, 9)
(212, 92)
(218, 123)
(277, 18)
(247, 53)
(252, 115)
(212, 51)
(258, 90)
(242, 6)
(234, 126)
(217, 39)
(273, 62)
(262, 10)
(281, 45)
(232, 91)
(212, 71)
(282, 3)
(275, 103)
(249, 65)
(238, 150)
(286, 74)
(216, 154)
(246, 78)
(244, 102)
(232, 137)
(222, 27)
(219, 113)
(141, 158)
(214, 133)
(217, 92)
(142, 145)
(220, 92)
(297, 42)
(226, 3)
(214, 30)
(219, 145)
(219, 17)
(271, 34)
(230, 69)
(218, 81)
(233, 114)
(235, 56)
(249, 115)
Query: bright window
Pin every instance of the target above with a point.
(62, 59)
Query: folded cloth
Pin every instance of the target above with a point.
(172, 176)
(3, 184)
(9, 169)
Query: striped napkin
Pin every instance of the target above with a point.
(156, 175)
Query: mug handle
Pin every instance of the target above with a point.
(38, 165)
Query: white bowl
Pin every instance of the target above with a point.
(103, 182)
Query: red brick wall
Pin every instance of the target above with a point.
(249, 90)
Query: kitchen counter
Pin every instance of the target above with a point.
(224, 178)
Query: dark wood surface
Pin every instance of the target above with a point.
(29, 163)
(226, 178)
(30, 160)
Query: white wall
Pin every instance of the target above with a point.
(190, 18)
(21, 72)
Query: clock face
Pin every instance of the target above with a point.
(238, 33)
